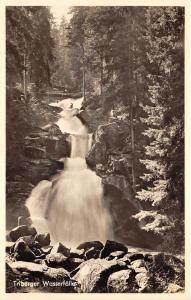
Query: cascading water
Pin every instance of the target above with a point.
(71, 206)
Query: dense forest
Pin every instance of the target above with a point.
(127, 61)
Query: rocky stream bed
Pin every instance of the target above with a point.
(34, 265)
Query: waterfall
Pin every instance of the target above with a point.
(71, 206)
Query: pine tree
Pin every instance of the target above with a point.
(76, 39)
(162, 202)
(28, 45)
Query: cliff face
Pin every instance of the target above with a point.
(34, 146)
(111, 158)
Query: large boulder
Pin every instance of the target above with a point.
(50, 143)
(116, 255)
(72, 263)
(92, 249)
(9, 246)
(114, 138)
(122, 282)
(92, 275)
(38, 278)
(92, 118)
(35, 170)
(121, 184)
(35, 152)
(77, 253)
(17, 191)
(23, 252)
(57, 147)
(122, 207)
(112, 246)
(43, 239)
(28, 239)
(58, 260)
(38, 269)
(24, 221)
(22, 230)
(60, 248)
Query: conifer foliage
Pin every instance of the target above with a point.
(162, 192)
(28, 45)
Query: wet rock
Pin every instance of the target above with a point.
(22, 230)
(9, 246)
(112, 246)
(36, 248)
(121, 282)
(49, 143)
(142, 280)
(72, 263)
(18, 187)
(97, 155)
(43, 239)
(57, 147)
(36, 170)
(92, 275)
(59, 260)
(78, 253)
(36, 273)
(56, 260)
(47, 249)
(23, 252)
(28, 239)
(116, 255)
(35, 152)
(136, 256)
(37, 132)
(24, 221)
(60, 248)
(92, 249)
(138, 265)
(87, 245)
(120, 182)
(38, 269)
(126, 259)
(115, 139)
(53, 129)
(92, 118)
(92, 253)
(58, 274)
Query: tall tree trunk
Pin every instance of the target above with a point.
(83, 75)
(131, 121)
(24, 77)
(132, 144)
(84, 83)
(101, 80)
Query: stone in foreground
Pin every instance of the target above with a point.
(92, 275)
(112, 246)
(122, 282)
(22, 230)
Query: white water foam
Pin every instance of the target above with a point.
(71, 207)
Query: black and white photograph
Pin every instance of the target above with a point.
(95, 149)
